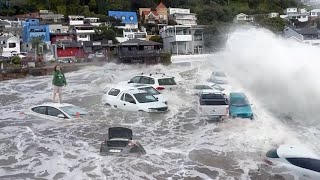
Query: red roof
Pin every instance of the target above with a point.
(161, 5)
(146, 13)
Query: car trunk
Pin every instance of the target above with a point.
(120, 132)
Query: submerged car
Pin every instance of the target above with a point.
(218, 77)
(199, 87)
(120, 142)
(58, 111)
(301, 160)
(159, 81)
(239, 106)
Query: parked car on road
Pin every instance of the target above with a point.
(300, 160)
(58, 111)
(159, 81)
(120, 142)
(239, 106)
(213, 104)
(218, 77)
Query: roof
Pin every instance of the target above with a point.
(145, 13)
(4, 22)
(156, 75)
(126, 17)
(55, 104)
(161, 5)
(211, 91)
(237, 94)
(307, 31)
(139, 42)
(294, 151)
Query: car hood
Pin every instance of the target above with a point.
(161, 98)
(240, 109)
(157, 104)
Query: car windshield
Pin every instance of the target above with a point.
(272, 154)
(220, 74)
(145, 97)
(73, 110)
(202, 87)
(239, 102)
(166, 81)
(150, 90)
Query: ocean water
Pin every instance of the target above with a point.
(278, 76)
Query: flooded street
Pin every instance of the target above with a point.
(179, 144)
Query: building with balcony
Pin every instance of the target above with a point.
(76, 20)
(32, 29)
(83, 32)
(243, 18)
(9, 45)
(128, 19)
(139, 51)
(158, 16)
(182, 16)
(58, 33)
(13, 27)
(50, 17)
(92, 21)
(129, 34)
(62, 50)
(181, 39)
(310, 35)
(296, 15)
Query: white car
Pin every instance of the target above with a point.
(199, 87)
(133, 100)
(159, 81)
(300, 160)
(218, 77)
(58, 111)
(150, 90)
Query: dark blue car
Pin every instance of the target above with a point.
(239, 106)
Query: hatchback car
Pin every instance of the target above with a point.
(300, 160)
(159, 81)
(239, 106)
(218, 77)
(58, 111)
(120, 142)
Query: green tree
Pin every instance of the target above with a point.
(156, 38)
(15, 60)
(105, 33)
(93, 5)
(274, 24)
(37, 43)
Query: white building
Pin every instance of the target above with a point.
(132, 34)
(243, 18)
(9, 45)
(76, 20)
(58, 28)
(273, 15)
(181, 39)
(314, 13)
(92, 21)
(182, 16)
(84, 33)
(291, 11)
(296, 14)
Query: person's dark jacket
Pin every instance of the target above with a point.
(59, 79)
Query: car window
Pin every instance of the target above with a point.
(220, 74)
(40, 110)
(146, 80)
(114, 92)
(73, 110)
(53, 111)
(150, 90)
(239, 101)
(202, 87)
(145, 97)
(136, 79)
(272, 154)
(213, 99)
(307, 163)
(129, 98)
(166, 81)
(122, 97)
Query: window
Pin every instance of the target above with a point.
(167, 81)
(150, 90)
(135, 79)
(82, 36)
(131, 18)
(307, 163)
(53, 111)
(147, 80)
(114, 92)
(239, 102)
(145, 97)
(12, 45)
(272, 154)
(122, 97)
(129, 98)
(73, 110)
(123, 18)
(40, 110)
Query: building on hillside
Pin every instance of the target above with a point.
(83, 32)
(158, 16)
(129, 34)
(273, 15)
(100, 49)
(33, 29)
(9, 45)
(150, 17)
(58, 33)
(181, 39)
(310, 35)
(243, 18)
(13, 27)
(128, 19)
(50, 17)
(139, 51)
(76, 20)
(63, 50)
(162, 11)
(295, 15)
(182, 16)
(94, 21)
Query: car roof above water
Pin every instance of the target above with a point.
(156, 75)
(58, 105)
(237, 95)
(294, 151)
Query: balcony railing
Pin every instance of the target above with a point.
(143, 53)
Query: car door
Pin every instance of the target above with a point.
(40, 111)
(54, 113)
(128, 103)
(111, 96)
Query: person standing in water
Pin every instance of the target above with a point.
(58, 81)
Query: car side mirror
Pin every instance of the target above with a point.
(61, 116)
(130, 82)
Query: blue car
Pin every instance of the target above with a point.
(239, 106)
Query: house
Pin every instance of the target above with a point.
(310, 35)
(182, 16)
(92, 47)
(162, 11)
(11, 26)
(129, 34)
(50, 17)
(32, 29)
(73, 49)
(83, 32)
(9, 45)
(159, 16)
(129, 19)
(76, 20)
(243, 18)
(180, 39)
(291, 11)
(139, 51)
(150, 17)
(58, 33)
(296, 15)
(273, 15)
(92, 21)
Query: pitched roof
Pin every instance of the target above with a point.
(140, 42)
(161, 5)
(126, 17)
(146, 13)
(308, 31)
